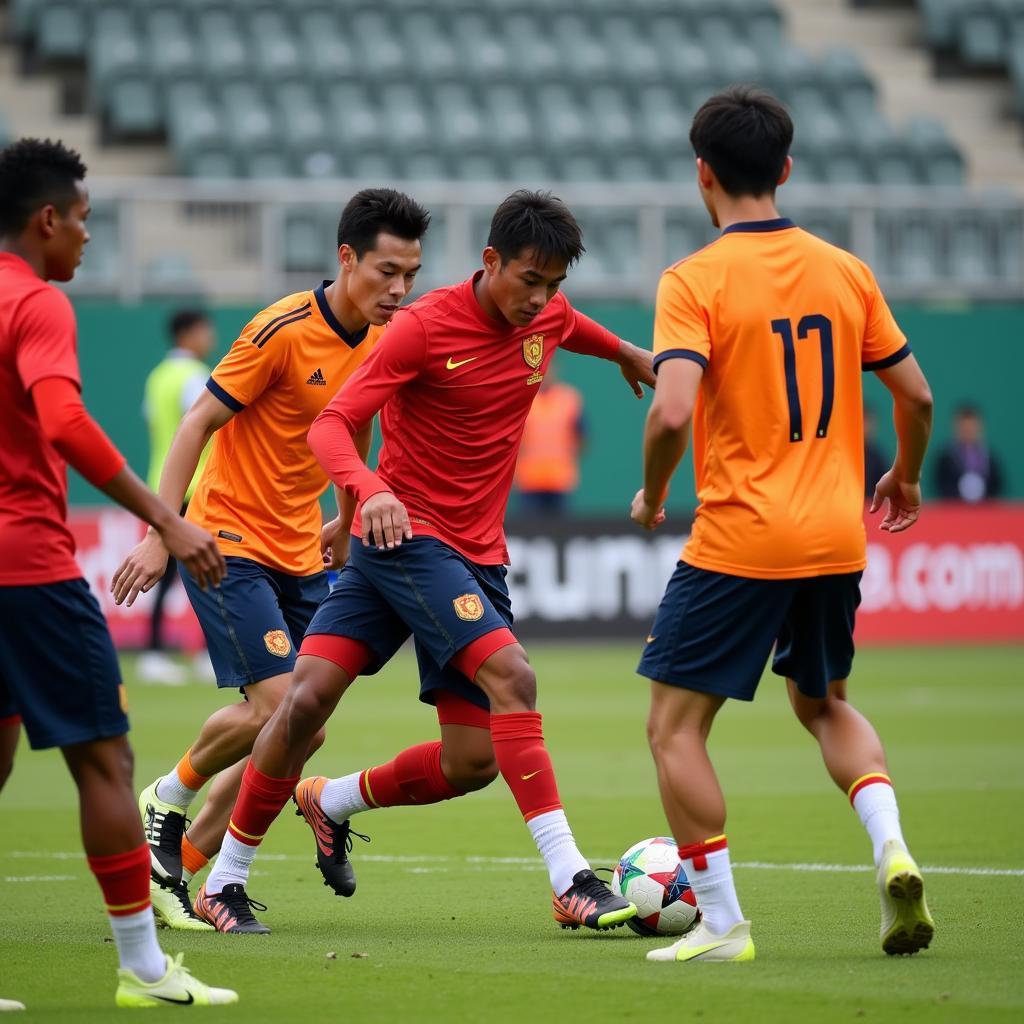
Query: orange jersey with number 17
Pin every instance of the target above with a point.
(784, 324)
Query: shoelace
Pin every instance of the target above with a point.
(239, 903)
(180, 892)
(169, 827)
(346, 832)
(594, 888)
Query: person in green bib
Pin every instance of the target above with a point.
(171, 388)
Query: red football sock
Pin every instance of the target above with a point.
(413, 777)
(524, 762)
(124, 879)
(259, 802)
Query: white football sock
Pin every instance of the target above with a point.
(876, 806)
(173, 791)
(341, 798)
(554, 839)
(232, 867)
(715, 890)
(140, 953)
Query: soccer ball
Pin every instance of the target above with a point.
(651, 876)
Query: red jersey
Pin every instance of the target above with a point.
(455, 388)
(37, 341)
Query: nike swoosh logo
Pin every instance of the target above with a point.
(526, 778)
(454, 366)
(651, 639)
(179, 1002)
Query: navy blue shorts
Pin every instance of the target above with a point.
(254, 621)
(423, 589)
(58, 666)
(714, 632)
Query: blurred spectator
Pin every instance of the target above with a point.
(548, 469)
(876, 461)
(171, 388)
(966, 468)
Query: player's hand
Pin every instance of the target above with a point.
(196, 550)
(385, 521)
(334, 544)
(145, 564)
(649, 517)
(904, 503)
(637, 365)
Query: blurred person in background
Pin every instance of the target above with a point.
(876, 459)
(967, 470)
(548, 470)
(171, 389)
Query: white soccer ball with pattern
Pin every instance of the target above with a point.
(651, 876)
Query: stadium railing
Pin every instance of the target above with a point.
(249, 239)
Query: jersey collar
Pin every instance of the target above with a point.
(778, 224)
(332, 321)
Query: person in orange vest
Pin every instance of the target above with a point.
(548, 469)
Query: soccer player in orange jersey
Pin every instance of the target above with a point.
(760, 340)
(259, 495)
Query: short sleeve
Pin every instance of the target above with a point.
(252, 364)
(47, 340)
(681, 323)
(884, 343)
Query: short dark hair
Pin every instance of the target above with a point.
(35, 173)
(373, 210)
(967, 411)
(744, 134)
(183, 320)
(539, 221)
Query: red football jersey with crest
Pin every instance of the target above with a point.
(455, 387)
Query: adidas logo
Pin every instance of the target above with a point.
(317, 378)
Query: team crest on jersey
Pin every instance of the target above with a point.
(533, 350)
(469, 607)
(277, 642)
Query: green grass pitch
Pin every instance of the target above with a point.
(452, 922)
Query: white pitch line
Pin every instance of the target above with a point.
(40, 878)
(535, 863)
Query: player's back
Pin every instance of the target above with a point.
(789, 323)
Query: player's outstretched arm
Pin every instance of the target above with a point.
(589, 338)
(147, 561)
(912, 416)
(80, 441)
(666, 435)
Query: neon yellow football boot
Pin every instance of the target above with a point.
(907, 926)
(176, 988)
(704, 946)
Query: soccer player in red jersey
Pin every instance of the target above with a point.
(454, 378)
(58, 668)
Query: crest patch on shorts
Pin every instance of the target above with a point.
(277, 642)
(469, 607)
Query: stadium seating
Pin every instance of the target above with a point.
(468, 89)
(979, 35)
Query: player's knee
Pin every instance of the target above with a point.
(470, 772)
(515, 687)
(307, 707)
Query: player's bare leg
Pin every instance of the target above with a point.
(10, 730)
(677, 728)
(226, 737)
(294, 728)
(229, 734)
(578, 896)
(855, 759)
